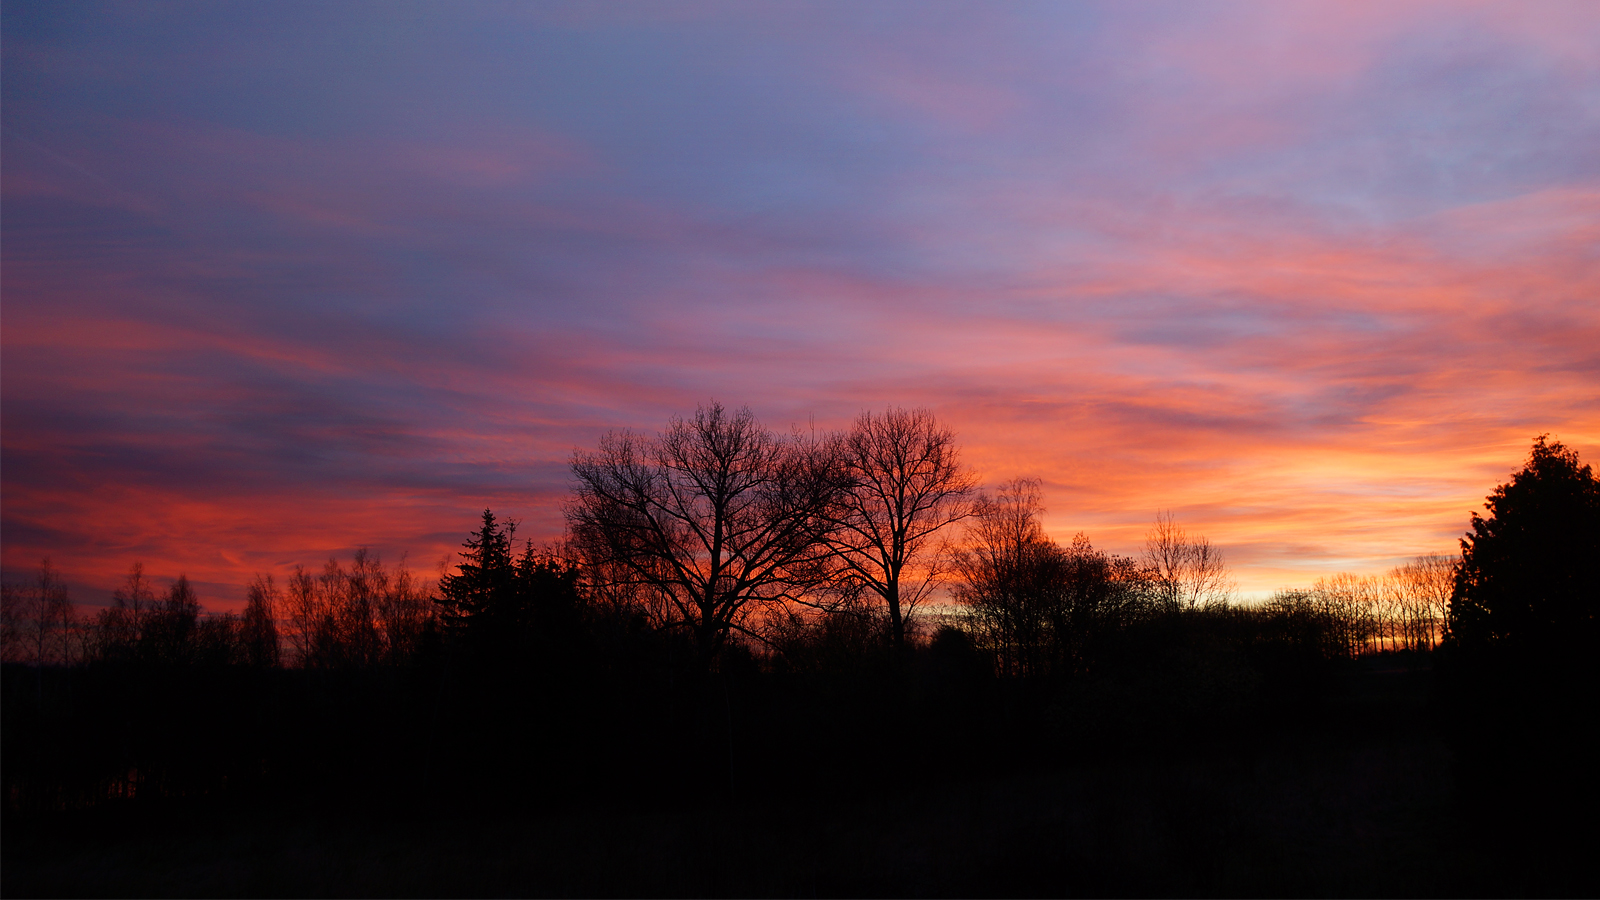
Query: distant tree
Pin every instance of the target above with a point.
(170, 631)
(1352, 604)
(39, 620)
(408, 616)
(14, 617)
(1189, 573)
(1100, 594)
(484, 583)
(718, 517)
(1041, 608)
(218, 640)
(906, 484)
(1528, 576)
(364, 615)
(547, 615)
(258, 628)
(359, 590)
(1008, 577)
(1304, 620)
(310, 619)
(120, 627)
(1424, 586)
(511, 606)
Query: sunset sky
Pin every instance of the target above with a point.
(282, 280)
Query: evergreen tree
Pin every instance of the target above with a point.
(1519, 676)
(1528, 579)
(505, 601)
(485, 579)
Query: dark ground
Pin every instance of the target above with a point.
(1358, 804)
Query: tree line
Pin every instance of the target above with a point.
(729, 604)
(366, 614)
(721, 530)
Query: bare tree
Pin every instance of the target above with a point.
(1188, 573)
(259, 625)
(39, 620)
(169, 631)
(717, 516)
(907, 483)
(1009, 572)
(360, 616)
(1427, 582)
(309, 616)
(15, 613)
(47, 618)
(120, 627)
(1042, 609)
(1400, 610)
(406, 613)
(1354, 605)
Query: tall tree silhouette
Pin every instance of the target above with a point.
(120, 627)
(1518, 676)
(485, 578)
(717, 516)
(170, 631)
(1528, 575)
(906, 483)
(502, 604)
(259, 625)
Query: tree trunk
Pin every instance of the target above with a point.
(897, 625)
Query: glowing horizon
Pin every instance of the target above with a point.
(283, 282)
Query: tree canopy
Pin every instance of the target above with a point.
(1529, 576)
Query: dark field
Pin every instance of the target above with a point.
(1358, 803)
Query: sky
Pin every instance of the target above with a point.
(282, 280)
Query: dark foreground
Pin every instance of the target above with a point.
(1352, 820)
(1360, 803)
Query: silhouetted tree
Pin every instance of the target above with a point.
(13, 623)
(120, 627)
(218, 641)
(512, 607)
(359, 616)
(1009, 577)
(407, 615)
(170, 631)
(1042, 609)
(1401, 609)
(906, 483)
(1351, 604)
(547, 584)
(1099, 594)
(1304, 620)
(717, 516)
(1518, 675)
(1189, 572)
(39, 620)
(310, 618)
(258, 630)
(484, 584)
(1528, 576)
(1425, 585)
